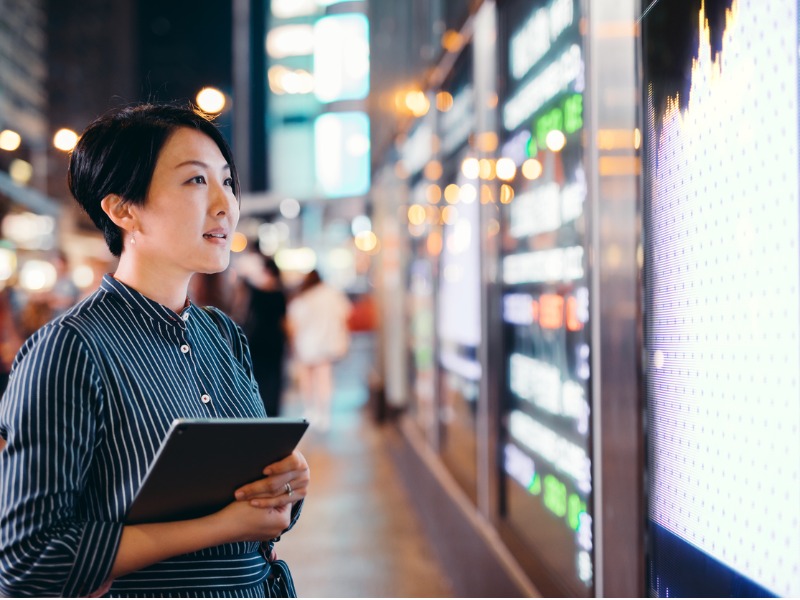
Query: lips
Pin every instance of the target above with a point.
(216, 234)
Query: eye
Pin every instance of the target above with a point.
(198, 179)
(228, 182)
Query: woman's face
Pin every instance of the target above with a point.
(190, 212)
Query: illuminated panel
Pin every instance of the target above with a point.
(538, 33)
(290, 40)
(722, 302)
(545, 291)
(565, 73)
(455, 212)
(458, 121)
(341, 142)
(341, 58)
(547, 207)
(558, 264)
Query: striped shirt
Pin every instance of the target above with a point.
(91, 396)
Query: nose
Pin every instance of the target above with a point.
(223, 201)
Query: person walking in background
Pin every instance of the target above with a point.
(64, 293)
(265, 327)
(10, 338)
(317, 319)
(93, 393)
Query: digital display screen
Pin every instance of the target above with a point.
(416, 152)
(459, 323)
(722, 297)
(545, 289)
(459, 292)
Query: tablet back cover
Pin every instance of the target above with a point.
(202, 462)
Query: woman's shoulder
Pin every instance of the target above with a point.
(89, 319)
(100, 310)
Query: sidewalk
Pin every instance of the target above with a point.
(358, 535)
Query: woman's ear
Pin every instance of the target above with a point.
(119, 211)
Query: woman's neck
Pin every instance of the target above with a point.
(155, 284)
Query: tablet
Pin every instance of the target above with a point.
(202, 462)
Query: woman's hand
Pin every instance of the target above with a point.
(285, 482)
(244, 522)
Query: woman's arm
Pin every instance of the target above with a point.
(146, 544)
(49, 414)
(262, 512)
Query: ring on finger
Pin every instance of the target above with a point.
(289, 489)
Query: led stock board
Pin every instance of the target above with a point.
(545, 289)
(722, 297)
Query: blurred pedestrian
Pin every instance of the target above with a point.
(265, 326)
(36, 312)
(93, 393)
(10, 338)
(317, 319)
(64, 293)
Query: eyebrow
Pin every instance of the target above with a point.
(199, 163)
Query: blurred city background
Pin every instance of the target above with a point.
(568, 231)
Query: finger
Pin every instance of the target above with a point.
(294, 462)
(287, 495)
(293, 469)
(290, 496)
(284, 495)
(274, 487)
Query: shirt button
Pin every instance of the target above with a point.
(205, 398)
(185, 316)
(185, 348)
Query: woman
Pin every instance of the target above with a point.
(92, 393)
(317, 319)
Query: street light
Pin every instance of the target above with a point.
(9, 140)
(210, 100)
(65, 139)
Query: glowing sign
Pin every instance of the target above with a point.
(519, 465)
(567, 117)
(341, 142)
(417, 151)
(545, 294)
(537, 34)
(547, 207)
(341, 58)
(539, 383)
(566, 456)
(558, 264)
(517, 309)
(565, 73)
(458, 121)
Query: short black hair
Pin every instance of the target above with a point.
(117, 154)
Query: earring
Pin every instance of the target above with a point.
(133, 237)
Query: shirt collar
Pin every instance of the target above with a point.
(143, 304)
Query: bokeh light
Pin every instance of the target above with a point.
(65, 139)
(238, 242)
(9, 140)
(210, 100)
